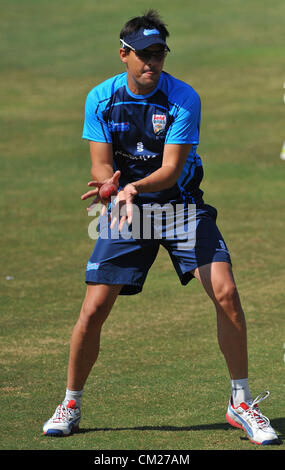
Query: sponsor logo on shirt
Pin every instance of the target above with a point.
(158, 123)
(118, 126)
(140, 147)
(121, 153)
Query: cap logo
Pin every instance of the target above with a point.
(149, 32)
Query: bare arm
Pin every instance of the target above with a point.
(101, 155)
(174, 157)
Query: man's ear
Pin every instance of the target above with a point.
(123, 55)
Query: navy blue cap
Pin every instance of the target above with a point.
(143, 38)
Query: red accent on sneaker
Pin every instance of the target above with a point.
(242, 405)
(71, 404)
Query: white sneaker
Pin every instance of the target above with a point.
(248, 417)
(64, 422)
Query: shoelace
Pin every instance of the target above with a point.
(255, 413)
(61, 413)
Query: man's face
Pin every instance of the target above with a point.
(143, 68)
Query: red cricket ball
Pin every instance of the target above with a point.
(107, 190)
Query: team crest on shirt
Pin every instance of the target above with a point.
(158, 123)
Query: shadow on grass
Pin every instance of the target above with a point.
(278, 424)
(201, 427)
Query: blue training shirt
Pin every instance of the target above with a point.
(139, 126)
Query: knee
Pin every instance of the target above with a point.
(92, 316)
(226, 296)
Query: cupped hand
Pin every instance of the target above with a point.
(122, 210)
(95, 192)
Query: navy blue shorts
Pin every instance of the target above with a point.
(125, 261)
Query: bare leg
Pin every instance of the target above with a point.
(217, 279)
(85, 339)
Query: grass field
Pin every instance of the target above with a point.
(160, 381)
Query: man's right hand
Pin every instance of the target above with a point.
(95, 192)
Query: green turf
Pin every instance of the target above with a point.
(160, 381)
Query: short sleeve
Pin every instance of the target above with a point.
(185, 128)
(95, 128)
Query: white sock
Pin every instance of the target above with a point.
(240, 391)
(73, 395)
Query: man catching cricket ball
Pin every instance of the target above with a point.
(143, 130)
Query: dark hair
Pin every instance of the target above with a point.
(150, 19)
